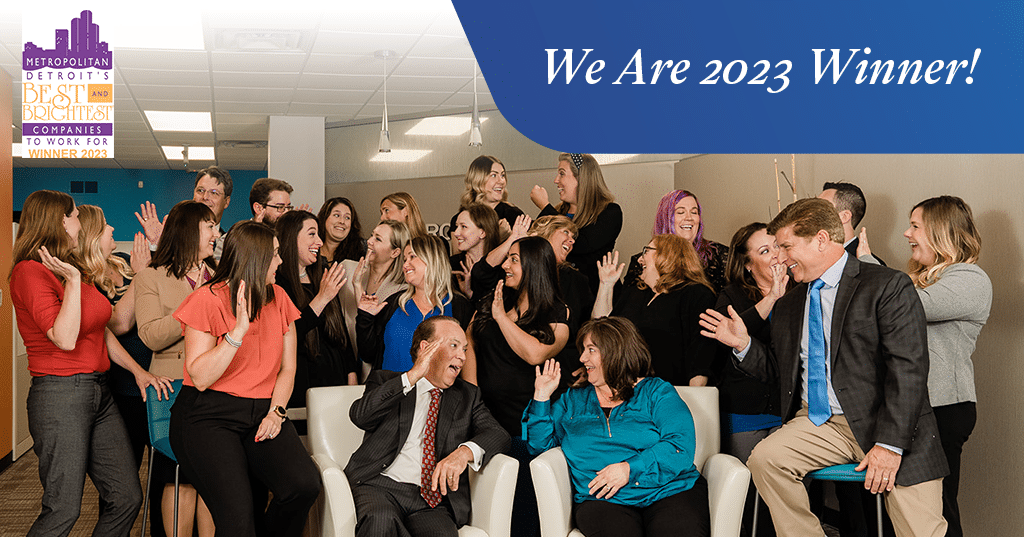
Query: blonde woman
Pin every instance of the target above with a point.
(957, 297)
(385, 325)
(486, 183)
(402, 206)
(585, 199)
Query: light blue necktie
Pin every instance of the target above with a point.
(819, 410)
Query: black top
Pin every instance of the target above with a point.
(670, 326)
(852, 250)
(505, 379)
(714, 269)
(122, 382)
(506, 212)
(593, 241)
(332, 361)
(739, 392)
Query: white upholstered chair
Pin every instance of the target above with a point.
(333, 438)
(727, 477)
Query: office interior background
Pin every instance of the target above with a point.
(299, 95)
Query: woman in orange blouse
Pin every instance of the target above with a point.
(229, 422)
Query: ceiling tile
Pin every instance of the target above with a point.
(324, 109)
(277, 62)
(428, 83)
(435, 67)
(332, 96)
(266, 95)
(248, 107)
(175, 106)
(349, 82)
(254, 119)
(418, 98)
(328, 42)
(431, 46)
(179, 138)
(243, 132)
(171, 93)
(173, 60)
(346, 64)
(400, 17)
(259, 80)
(165, 76)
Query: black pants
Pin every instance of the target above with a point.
(213, 436)
(685, 514)
(387, 508)
(955, 425)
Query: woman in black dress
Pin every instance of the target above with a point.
(665, 305)
(474, 235)
(516, 329)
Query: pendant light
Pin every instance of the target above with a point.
(384, 145)
(475, 138)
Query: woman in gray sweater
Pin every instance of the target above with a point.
(957, 296)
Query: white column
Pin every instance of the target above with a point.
(295, 154)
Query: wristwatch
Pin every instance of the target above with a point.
(281, 412)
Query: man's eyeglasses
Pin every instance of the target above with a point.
(280, 208)
(214, 193)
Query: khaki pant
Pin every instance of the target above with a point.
(779, 463)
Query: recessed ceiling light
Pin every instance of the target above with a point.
(401, 155)
(16, 149)
(611, 158)
(179, 121)
(442, 126)
(173, 152)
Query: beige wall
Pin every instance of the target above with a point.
(633, 185)
(737, 189)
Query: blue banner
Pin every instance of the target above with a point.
(755, 77)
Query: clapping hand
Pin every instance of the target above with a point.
(141, 256)
(728, 330)
(463, 276)
(547, 380)
(371, 304)
(332, 281)
(498, 304)
(150, 222)
(521, 227)
(241, 313)
(62, 270)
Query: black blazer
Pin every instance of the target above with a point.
(879, 360)
(385, 413)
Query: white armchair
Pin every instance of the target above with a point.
(727, 477)
(333, 438)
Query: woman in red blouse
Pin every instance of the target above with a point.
(74, 422)
(230, 421)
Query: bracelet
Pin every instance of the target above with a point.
(231, 341)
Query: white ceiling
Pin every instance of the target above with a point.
(334, 74)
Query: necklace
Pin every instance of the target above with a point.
(303, 275)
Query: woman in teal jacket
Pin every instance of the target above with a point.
(627, 436)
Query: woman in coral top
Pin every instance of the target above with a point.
(74, 422)
(239, 371)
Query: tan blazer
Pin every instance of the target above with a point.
(157, 295)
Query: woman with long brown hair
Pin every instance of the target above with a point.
(340, 231)
(665, 306)
(74, 423)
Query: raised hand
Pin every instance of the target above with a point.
(863, 248)
(303, 207)
(150, 222)
(357, 277)
(332, 281)
(547, 380)
(728, 330)
(498, 304)
(463, 276)
(62, 270)
(141, 256)
(371, 304)
(608, 269)
(241, 313)
(521, 227)
(780, 277)
(539, 196)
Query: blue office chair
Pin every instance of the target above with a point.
(158, 414)
(839, 472)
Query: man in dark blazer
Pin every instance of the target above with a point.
(848, 199)
(385, 472)
(875, 369)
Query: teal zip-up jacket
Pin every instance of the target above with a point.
(653, 432)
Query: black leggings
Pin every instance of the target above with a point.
(685, 514)
(213, 436)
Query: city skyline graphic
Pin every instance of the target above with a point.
(76, 48)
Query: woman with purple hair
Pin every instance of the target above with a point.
(679, 212)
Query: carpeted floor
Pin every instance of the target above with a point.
(20, 494)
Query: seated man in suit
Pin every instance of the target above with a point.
(851, 352)
(411, 420)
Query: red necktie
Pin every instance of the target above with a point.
(429, 459)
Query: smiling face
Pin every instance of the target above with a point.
(494, 185)
(338, 223)
(805, 257)
(390, 211)
(107, 244)
(378, 246)
(763, 254)
(591, 359)
(920, 249)
(415, 268)
(450, 357)
(274, 263)
(208, 235)
(687, 218)
(466, 234)
(648, 260)
(278, 203)
(561, 242)
(73, 226)
(513, 268)
(209, 192)
(309, 243)
(566, 183)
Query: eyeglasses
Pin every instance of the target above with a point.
(648, 249)
(280, 208)
(200, 191)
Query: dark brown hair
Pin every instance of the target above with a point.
(735, 269)
(624, 355)
(219, 175)
(248, 252)
(487, 220)
(351, 247)
(178, 249)
(262, 188)
(42, 224)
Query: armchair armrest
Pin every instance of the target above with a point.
(339, 517)
(492, 490)
(550, 475)
(728, 480)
